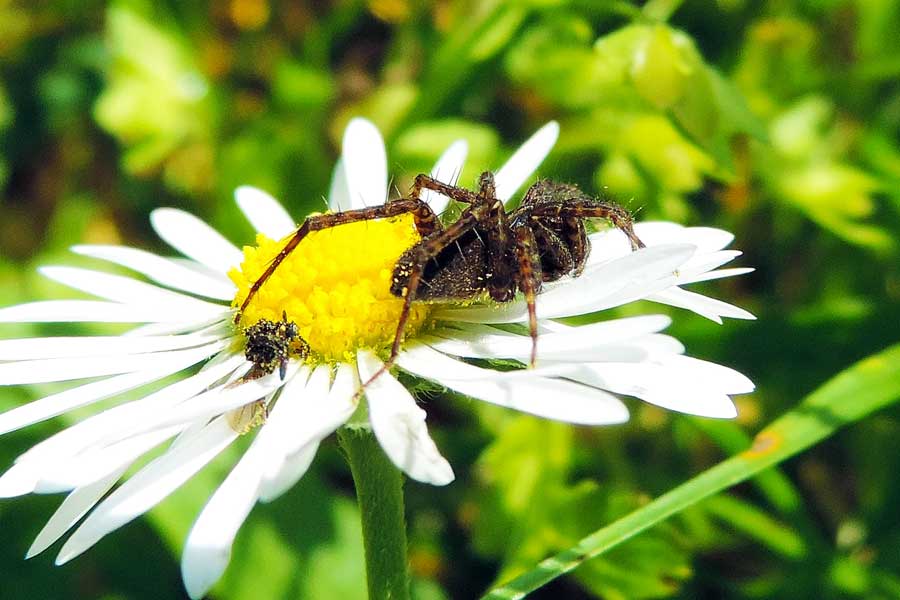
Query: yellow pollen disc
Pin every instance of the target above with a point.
(335, 286)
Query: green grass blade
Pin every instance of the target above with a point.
(852, 395)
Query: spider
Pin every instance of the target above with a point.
(270, 344)
(485, 250)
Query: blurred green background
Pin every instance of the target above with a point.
(778, 120)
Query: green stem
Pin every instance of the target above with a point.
(379, 492)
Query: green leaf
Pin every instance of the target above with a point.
(419, 146)
(852, 395)
(531, 508)
(756, 524)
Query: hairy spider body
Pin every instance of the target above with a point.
(486, 250)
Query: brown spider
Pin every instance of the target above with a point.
(485, 249)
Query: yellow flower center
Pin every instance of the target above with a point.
(335, 286)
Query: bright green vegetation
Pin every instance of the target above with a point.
(777, 120)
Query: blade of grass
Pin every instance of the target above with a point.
(774, 485)
(864, 388)
(753, 523)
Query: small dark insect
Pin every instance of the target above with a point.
(485, 250)
(270, 344)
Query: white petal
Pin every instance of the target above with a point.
(95, 311)
(705, 307)
(18, 480)
(213, 402)
(83, 346)
(522, 352)
(612, 243)
(292, 469)
(720, 274)
(541, 396)
(126, 290)
(64, 369)
(339, 192)
(707, 239)
(75, 506)
(657, 344)
(218, 325)
(399, 425)
(660, 384)
(707, 261)
(447, 170)
(310, 413)
(195, 239)
(525, 161)
(208, 546)
(62, 402)
(72, 472)
(714, 375)
(593, 342)
(149, 486)
(163, 270)
(632, 276)
(365, 162)
(264, 212)
(117, 422)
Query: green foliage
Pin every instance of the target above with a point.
(779, 121)
(529, 508)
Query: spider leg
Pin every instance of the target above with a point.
(579, 243)
(422, 214)
(453, 192)
(493, 220)
(592, 209)
(413, 271)
(556, 258)
(529, 280)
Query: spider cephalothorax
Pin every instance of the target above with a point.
(485, 250)
(270, 344)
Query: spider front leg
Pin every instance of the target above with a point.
(530, 279)
(423, 216)
(453, 192)
(593, 209)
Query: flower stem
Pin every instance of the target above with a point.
(379, 492)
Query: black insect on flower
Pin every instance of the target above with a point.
(270, 344)
(485, 250)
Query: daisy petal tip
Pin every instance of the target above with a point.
(161, 215)
(247, 194)
(550, 130)
(66, 554)
(443, 475)
(357, 124)
(365, 163)
(722, 408)
(525, 161)
(617, 416)
(725, 411)
(16, 483)
(364, 133)
(201, 568)
(39, 545)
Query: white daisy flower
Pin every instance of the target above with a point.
(335, 287)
